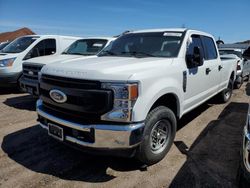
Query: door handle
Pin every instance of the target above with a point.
(220, 67)
(208, 70)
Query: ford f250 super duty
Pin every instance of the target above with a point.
(132, 95)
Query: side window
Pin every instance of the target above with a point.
(44, 47)
(49, 46)
(195, 41)
(210, 49)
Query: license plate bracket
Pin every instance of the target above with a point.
(55, 131)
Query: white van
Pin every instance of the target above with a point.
(81, 49)
(27, 47)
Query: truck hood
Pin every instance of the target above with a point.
(7, 56)
(105, 68)
(55, 58)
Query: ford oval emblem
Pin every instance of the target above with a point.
(31, 73)
(58, 96)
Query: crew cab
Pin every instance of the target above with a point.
(82, 48)
(130, 97)
(243, 65)
(28, 47)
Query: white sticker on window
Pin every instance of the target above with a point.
(172, 34)
(97, 45)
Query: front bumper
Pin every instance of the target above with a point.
(106, 136)
(30, 86)
(8, 78)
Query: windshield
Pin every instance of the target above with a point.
(155, 44)
(86, 47)
(226, 52)
(19, 45)
(3, 45)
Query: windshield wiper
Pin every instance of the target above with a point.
(75, 53)
(107, 52)
(139, 54)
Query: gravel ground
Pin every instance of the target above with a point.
(205, 152)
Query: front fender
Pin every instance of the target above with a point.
(151, 91)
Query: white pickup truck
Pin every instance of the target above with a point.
(130, 97)
(82, 48)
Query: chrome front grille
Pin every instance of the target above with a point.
(30, 71)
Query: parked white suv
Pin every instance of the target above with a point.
(28, 47)
(243, 65)
(80, 49)
(131, 96)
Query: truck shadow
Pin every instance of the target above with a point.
(26, 102)
(8, 90)
(35, 150)
(213, 159)
(247, 89)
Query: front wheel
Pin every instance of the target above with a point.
(158, 136)
(226, 94)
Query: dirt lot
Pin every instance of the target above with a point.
(205, 152)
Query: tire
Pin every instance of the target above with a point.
(18, 86)
(226, 94)
(158, 135)
(238, 85)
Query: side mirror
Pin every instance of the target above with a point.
(246, 54)
(195, 59)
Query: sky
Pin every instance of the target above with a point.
(227, 19)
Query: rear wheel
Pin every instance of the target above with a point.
(158, 136)
(226, 94)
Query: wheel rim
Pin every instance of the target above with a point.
(228, 92)
(159, 136)
(246, 157)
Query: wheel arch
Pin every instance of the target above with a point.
(169, 100)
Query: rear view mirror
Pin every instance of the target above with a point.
(246, 54)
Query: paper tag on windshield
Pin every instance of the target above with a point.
(172, 34)
(97, 45)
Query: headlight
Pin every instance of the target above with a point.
(7, 62)
(125, 96)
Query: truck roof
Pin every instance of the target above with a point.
(71, 37)
(170, 30)
(159, 30)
